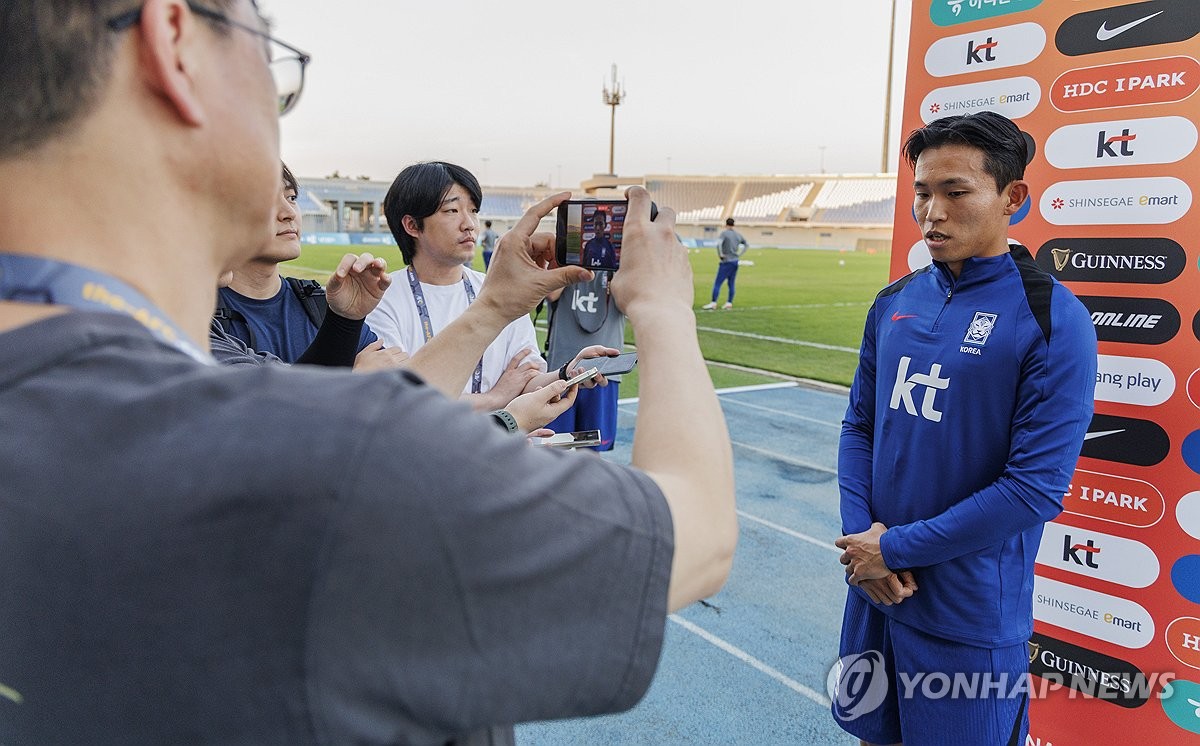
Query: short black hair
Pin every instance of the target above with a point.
(1004, 149)
(728, 221)
(418, 191)
(57, 57)
(487, 223)
(289, 181)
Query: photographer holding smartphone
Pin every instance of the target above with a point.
(182, 558)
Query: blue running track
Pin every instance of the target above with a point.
(752, 667)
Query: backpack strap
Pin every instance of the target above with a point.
(312, 297)
(226, 317)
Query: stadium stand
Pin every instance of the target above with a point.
(765, 200)
(506, 203)
(855, 201)
(694, 200)
(853, 212)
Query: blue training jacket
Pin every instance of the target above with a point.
(966, 417)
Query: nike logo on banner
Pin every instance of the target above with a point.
(897, 316)
(1101, 434)
(1104, 33)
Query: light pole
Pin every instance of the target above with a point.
(612, 99)
(887, 111)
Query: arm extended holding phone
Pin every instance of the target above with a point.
(680, 439)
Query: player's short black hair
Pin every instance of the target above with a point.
(418, 191)
(1004, 148)
(729, 221)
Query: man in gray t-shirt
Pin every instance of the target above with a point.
(488, 241)
(192, 553)
(730, 248)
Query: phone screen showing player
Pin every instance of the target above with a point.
(589, 233)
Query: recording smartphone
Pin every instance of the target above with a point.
(584, 376)
(589, 232)
(615, 366)
(580, 439)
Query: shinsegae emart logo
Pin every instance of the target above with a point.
(1012, 97)
(1147, 201)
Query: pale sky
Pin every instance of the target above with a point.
(513, 90)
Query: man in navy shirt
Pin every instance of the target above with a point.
(271, 314)
(968, 410)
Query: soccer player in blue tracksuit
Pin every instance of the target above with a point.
(968, 410)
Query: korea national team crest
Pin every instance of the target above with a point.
(981, 328)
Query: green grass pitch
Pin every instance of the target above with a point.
(797, 313)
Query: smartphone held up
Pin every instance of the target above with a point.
(589, 232)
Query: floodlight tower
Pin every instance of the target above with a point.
(887, 106)
(612, 98)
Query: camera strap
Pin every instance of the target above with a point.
(31, 279)
(427, 324)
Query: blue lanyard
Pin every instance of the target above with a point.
(31, 279)
(427, 324)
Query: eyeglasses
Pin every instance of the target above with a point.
(287, 68)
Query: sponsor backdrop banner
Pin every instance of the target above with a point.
(1106, 92)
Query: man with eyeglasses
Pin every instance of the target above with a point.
(378, 579)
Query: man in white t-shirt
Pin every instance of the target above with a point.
(433, 211)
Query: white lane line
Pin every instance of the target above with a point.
(753, 662)
(824, 544)
(741, 403)
(783, 340)
(734, 390)
(786, 459)
(758, 387)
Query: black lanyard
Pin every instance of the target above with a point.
(427, 324)
(31, 279)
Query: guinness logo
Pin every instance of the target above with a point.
(1097, 675)
(1148, 261)
(1060, 258)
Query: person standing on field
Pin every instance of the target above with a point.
(488, 242)
(729, 250)
(968, 410)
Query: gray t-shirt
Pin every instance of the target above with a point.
(488, 239)
(585, 314)
(269, 554)
(731, 246)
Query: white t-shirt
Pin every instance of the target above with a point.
(398, 324)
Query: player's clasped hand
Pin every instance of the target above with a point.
(863, 556)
